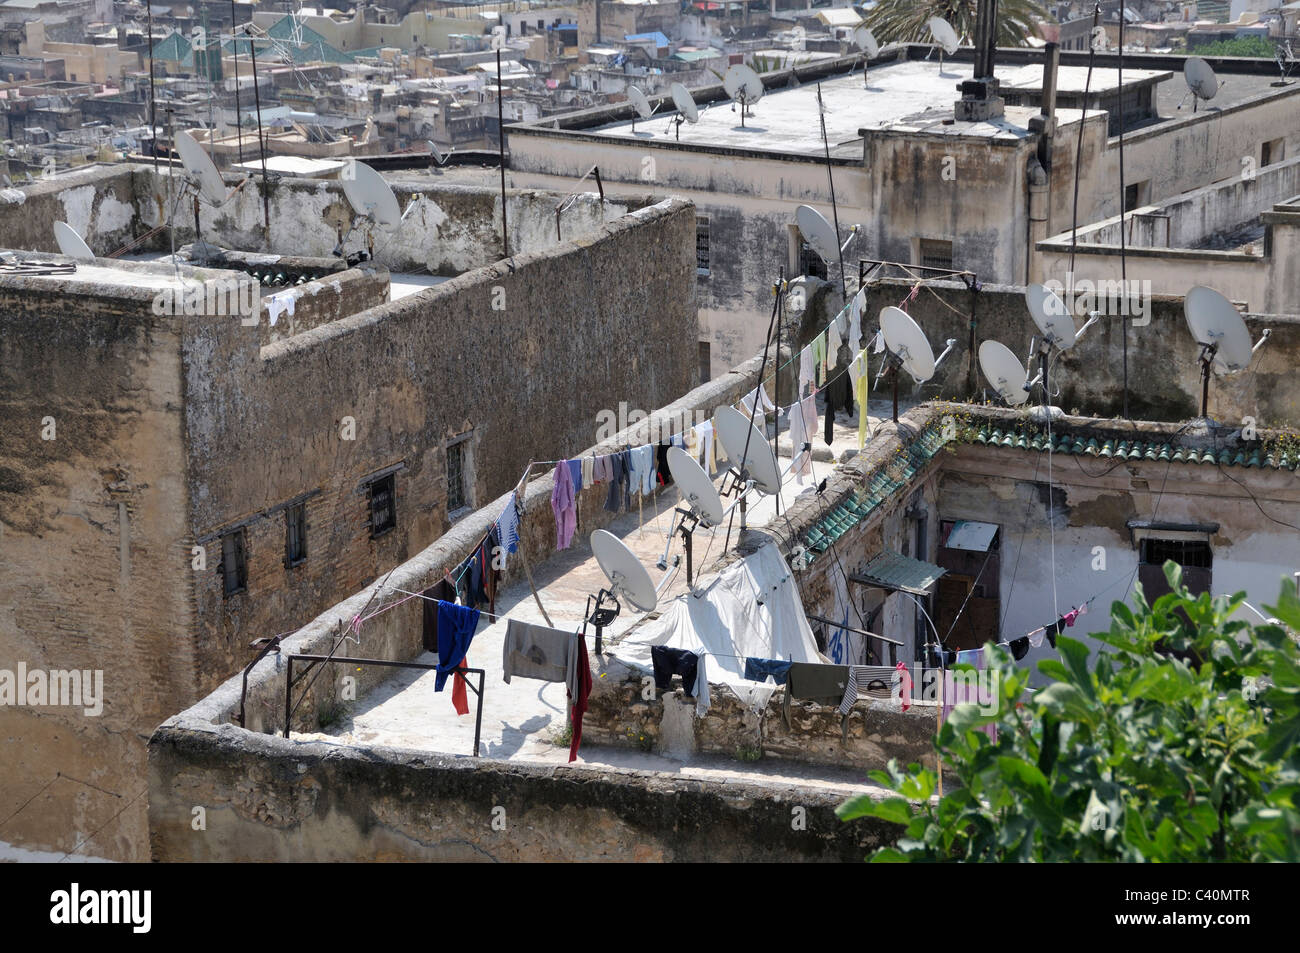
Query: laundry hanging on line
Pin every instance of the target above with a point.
(550, 655)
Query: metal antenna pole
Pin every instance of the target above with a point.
(835, 212)
(234, 49)
(501, 150)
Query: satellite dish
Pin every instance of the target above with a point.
(685, 103)
(744, 86)
(818, 233)
(639, 102)
(1219, 330)
(905, 339)
(1051, 315)
(371, 197)
(697, 489)
(1004, 372)
(747, 450)
(1215, 323)
(1200, 78)
(202, 173)
(866, 42)
(944, 34)
(70, 243)
(627, 577)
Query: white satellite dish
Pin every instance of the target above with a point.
(702, 506)
(1051, 315)
(70, 243)
(866, 42)
(370, 196)
(685, 103)
(627, 577)
(639, 102)
(698, 491)
(907, 348)
(944, 35)
(746, 449)
(1217, 327)
(818, 233)
(1004, 372)
(743, 86)
(905, 339)
(1200, 79)
(202, 174)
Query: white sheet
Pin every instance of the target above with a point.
(727, 622)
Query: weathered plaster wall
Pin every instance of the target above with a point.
(92, 519)
(450, 230)
(1057, 559)
(267, 799)
(98, 202)
(1164, 376)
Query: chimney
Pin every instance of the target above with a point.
(1044, 124)
(979, 96)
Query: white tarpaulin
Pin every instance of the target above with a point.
(752, 610)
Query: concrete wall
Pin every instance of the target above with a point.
(267, 799)
(1164, 376)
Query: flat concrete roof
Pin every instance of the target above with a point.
(910, 95)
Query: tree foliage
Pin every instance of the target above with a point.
(905, 21)
(1181, 743)
(1238, 46)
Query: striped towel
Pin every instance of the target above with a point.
(874, 681)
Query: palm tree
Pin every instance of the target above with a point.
(903, 21)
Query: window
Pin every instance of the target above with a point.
(933, 253)
(702, 245)
(810, 263)
(383, 505)
(295, 534)
(1194, 555)
(1136, 195)
(234, 563)
(1272, 151)
(706, 362)
(459, 497)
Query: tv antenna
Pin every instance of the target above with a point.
(743, 86)
(1217, 327)
(70, 243)
(640, 104)
(944, 36)
(907, 348)
(627, 578)
(1285, 59)
(701, 506)
(687, 111)
(202, 176)
(1201, 81)
(1004, 372)
(1056, 332)
(373, 201)
(866, 43)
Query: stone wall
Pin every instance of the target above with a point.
(1164, 376)
(268, 799)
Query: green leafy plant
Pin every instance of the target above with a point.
(1238, 46)
(1181, 743)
